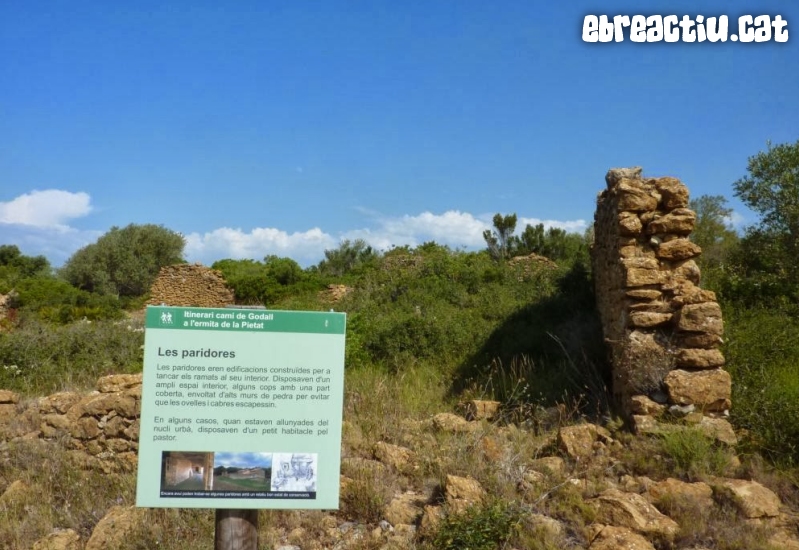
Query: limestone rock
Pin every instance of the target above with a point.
(674, 194)
(644, 293)
(431, 519)
(115, 527)
(718, 429)
(62, 539)
(578, 441)
(334, 292)
(462, 492)
(679, 222)
(118, 382)
(395, 456)
(708, 389)
(678, 249)
(705, 317)
(608, 537)
(8, 397)
(448, 422)
(699, 492)
(404, 509)
(615, 175)
(686, 292)
(643, 405)
(699, 358)
(478, 409)
(754, 500)
(16, 491)
(629, 224)
(634, 198)
(530, 479)
(648, 319)
(633, 511)
(698, 340)
(635, 276)
(645, 424)
(7, 412)
(58, 403)
(687, 270)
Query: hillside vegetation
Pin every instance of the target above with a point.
(428, 329)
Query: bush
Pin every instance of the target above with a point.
(39, 359)
(57, 301)
(433, 305)
(762, 352)
(481, 527)
(267, 282)
(694, 454)
(124, 262)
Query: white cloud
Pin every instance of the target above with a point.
(37, 222)
(50, 208)
(262, 241)
(571, 226)
(57, 244)
(453, 228)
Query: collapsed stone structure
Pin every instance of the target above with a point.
(190, 285)
(100, 426)
(663, 330)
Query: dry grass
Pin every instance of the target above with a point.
(58, 493)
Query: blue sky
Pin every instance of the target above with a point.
(258, 128)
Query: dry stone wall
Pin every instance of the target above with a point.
(663, 330)
(190, 285)
(102, 425)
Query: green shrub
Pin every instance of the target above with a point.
(39, 359)
(762, 352)
(480, 527)
(57, 301)
(124, 261)
(693, 454)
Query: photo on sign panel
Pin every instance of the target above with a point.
(195, 472)
(294, 472)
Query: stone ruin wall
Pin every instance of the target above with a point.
(190, 285)
(662, 329)
(100, 428)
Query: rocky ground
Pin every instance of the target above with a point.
(571, 486)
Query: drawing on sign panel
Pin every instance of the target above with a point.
(294, 472)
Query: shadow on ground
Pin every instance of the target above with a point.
(547, 353)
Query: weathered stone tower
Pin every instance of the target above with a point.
(662, 329)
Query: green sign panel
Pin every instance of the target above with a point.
(241, 408)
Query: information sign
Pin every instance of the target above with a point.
(241, 408)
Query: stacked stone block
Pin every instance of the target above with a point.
(190, 285)
(663, 330)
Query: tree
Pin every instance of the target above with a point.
(347, 257)
(500, 241)
(553, 243)
(712, 231)
(124, 262)
(15, 266)
(772, 190)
